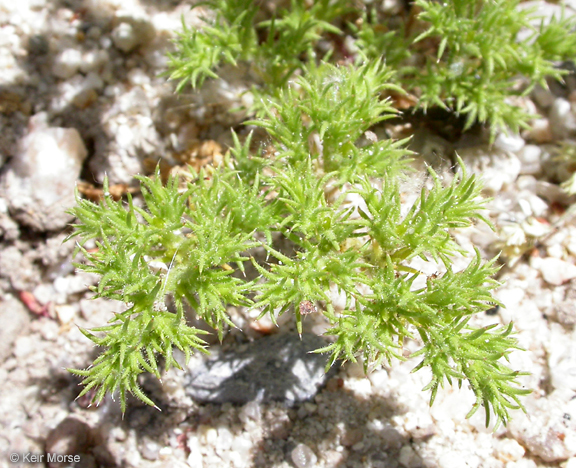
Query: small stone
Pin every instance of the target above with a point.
(563, 373)
(85, 99)
(508, 450)
(511, 142)
(250, 411)
(540, 131)
(272, 368)
(94, 60)
(548, 429)
(65, 313)
(138, 77)
(124, 37)
(524, 463)
(67, 63)
(23, 346)
(543, 97)
(15, 320)
(409, 458)
(149, 449)
(39, 182)
(530, 160)
(391, 7)
(207, 434)
(303, 456)
(165, 453)
(566, 310)
(224, 438)
(554, 270)
(242, 446)
(450, 460)
(562, 119)
(498, 169)
(351, 437)
(132, 32)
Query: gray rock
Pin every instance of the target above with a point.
(15, 320)
(273, 368)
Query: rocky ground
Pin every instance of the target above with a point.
(81, 97)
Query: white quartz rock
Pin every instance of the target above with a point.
(562, 118)
(554, 270)
(67, 63)
(132, 32)
(497, 168)
(39, 181)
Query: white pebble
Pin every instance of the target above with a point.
(511, 142)
(208, 435)
(554, 270)
(65, 313)
(303, 456)
(105, 42)
(23, 346)
(497, 168)
(40, 179)
(524, 463)
(450, 460)
(124, 37)
(540, 131)
(67, 63)
(561, 117)
(409, 458)
(250, 411)
(149, 449)
(137, 76)
(508, 450)
(195, 457)
(563, 375)
(224, 438)
(391, 7)
(242, 446)
(530, 159)
(93, 60)
(165, 453)
(132, 32)
(538, 207)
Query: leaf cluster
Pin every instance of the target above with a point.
(276, 47)
(182, 248)
(472, 57)
(475, 56)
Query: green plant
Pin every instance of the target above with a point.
(187, 242)
(475, 58)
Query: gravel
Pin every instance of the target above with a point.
(81, 99)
